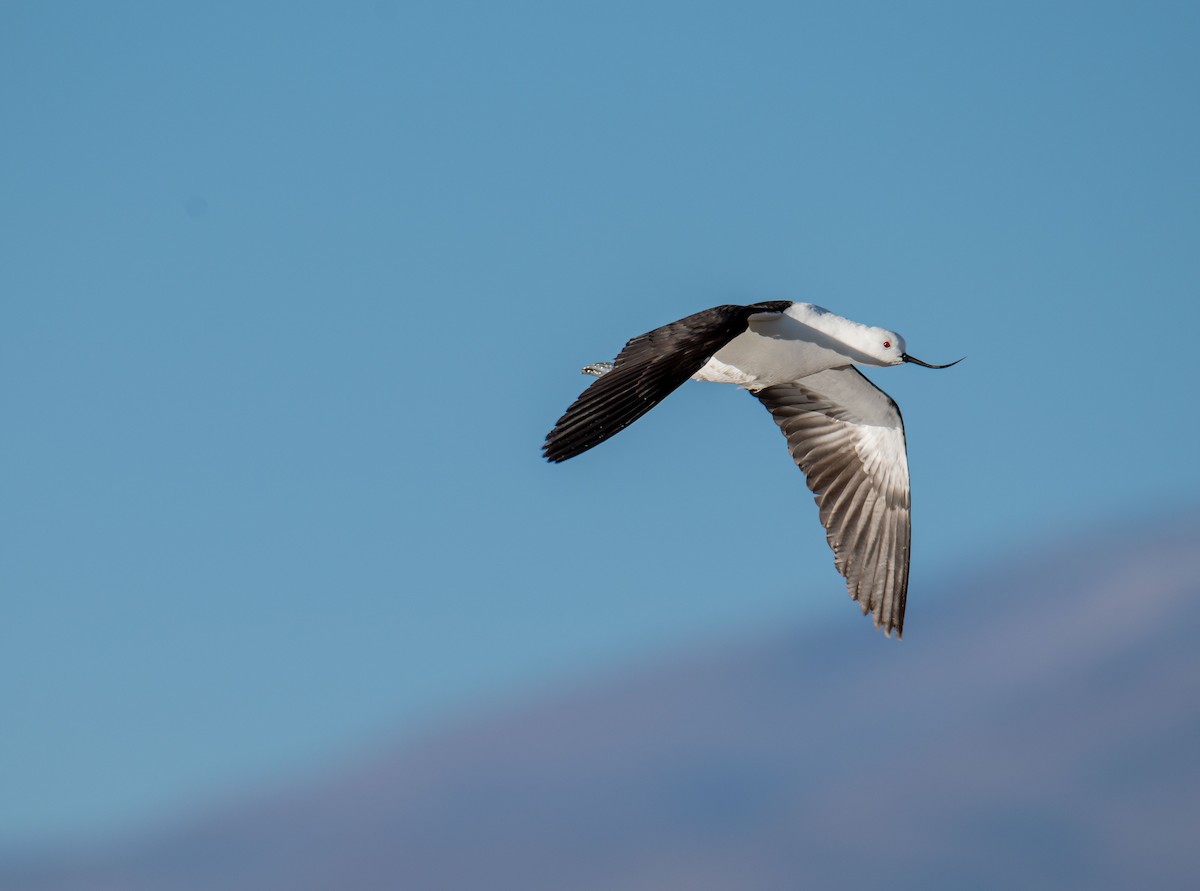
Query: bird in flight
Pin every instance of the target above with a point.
(844, 433)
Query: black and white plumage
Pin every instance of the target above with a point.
(843, 432)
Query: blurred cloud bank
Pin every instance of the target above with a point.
(1037, 729)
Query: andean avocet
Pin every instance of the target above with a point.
(844, 433)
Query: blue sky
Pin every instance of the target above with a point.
(291, 294)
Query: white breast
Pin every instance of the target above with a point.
(779, 348)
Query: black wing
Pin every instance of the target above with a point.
(649, 368)
(848, 437)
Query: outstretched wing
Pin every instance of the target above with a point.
(847, 436)
(648, 369)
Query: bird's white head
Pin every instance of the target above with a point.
(881, 347)
(863, 344)
(884, 347)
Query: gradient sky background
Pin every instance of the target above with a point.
(291, 294)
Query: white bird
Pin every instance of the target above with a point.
(844, 433)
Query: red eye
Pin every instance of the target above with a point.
(887, 344)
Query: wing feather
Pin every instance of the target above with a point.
(847, 436)
(649, 368)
